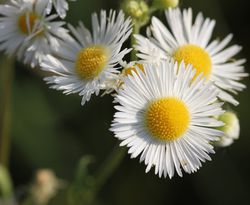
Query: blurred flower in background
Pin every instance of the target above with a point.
(27, 33)
(45, 186)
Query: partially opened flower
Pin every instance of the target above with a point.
(61, 6)
(189, 42)
(129, 68)
(167, 117)
(231, 129)
(88, 63)
(25, 30)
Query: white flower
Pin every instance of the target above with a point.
(88, 64)
(25, 31)
(61, 6)
(167, 117)
(190, 42)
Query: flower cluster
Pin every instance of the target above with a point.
(169, 102)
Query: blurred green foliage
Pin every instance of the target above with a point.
(51, 130)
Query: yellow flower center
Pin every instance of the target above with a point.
(91, 61)
(167, 119)
(197, 57)
(128, 71)
(26, 22)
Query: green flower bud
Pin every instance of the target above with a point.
(231, 129)
(165, 4)
(137, 9)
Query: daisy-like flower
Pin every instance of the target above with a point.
(87, 64)
(167, 117)
(189, 42)
(61, 7)
(27, 32)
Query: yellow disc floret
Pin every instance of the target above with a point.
(197, 57)
(26, 22)
(167, 119)
(90, 62)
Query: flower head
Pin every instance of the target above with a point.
(87, 63)
(189, 42)
(26, 31)
(167, 117)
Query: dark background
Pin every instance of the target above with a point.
(51, 130)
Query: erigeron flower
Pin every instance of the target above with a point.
(166, 119)
(27, 32)
(61, 7)
(189, 42)
(88, 63)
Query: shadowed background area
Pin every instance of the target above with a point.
(51, 130)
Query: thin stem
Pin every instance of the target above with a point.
(104, 173)
(109, 166)
(5, 110)
(136, 30)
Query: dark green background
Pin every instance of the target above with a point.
(51, 130)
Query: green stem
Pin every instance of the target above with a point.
(109, 166)
(5, 110)
(136, 30)
(152, 10)
(85, 188)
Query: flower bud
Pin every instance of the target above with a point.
(131, 67)
(137, 9)
(165, 4)
(231, 129)
(45, 186)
